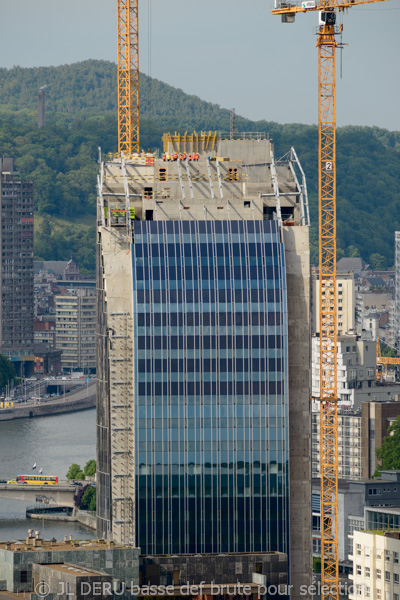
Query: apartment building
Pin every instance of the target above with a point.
(76, 329)
(16, 265)
(345, 303)
(356, 369)
(376, 565)
(349, 435)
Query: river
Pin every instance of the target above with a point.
(53, 443)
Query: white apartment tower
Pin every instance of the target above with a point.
(345, 303)
(376, 566)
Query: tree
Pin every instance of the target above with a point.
(89, 498)
(90, 468)
(377, 261)
(387, 350)
(7, 371)
(75, 472)
(389, 453)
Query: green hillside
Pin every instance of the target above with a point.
(81, 115)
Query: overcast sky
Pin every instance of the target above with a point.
(231, 52)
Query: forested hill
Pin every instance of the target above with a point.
(81, 116)
(90, 88)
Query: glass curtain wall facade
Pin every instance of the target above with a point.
(211, 387)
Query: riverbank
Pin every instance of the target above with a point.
(82, 517)
(72, 403)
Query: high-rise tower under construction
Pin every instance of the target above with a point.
(203, 363)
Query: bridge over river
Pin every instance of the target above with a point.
(59, 494)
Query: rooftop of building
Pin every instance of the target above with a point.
(389, 510)
(343, 485)
(230, 179)
(393, 534)
(144, 556)
(56, 267)
(389, 476)
(376, 281)
(347, 265)
(73, 569)
(42, 545)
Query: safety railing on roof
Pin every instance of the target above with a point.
(243, 135)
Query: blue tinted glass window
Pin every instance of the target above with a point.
(211, 387)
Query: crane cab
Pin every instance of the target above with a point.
(327, 17)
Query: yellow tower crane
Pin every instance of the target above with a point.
(327, 44)
(128, 76)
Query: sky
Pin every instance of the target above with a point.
(234, 53)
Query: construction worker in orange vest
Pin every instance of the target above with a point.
(190, 157)
(175, 157)
(184, 156)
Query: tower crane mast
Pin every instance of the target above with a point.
(327, 44)
(128, 76)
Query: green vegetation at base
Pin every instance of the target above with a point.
(389, 453)
(7, 371)
(387, 350)
(89, 498)
(316, 564)
(85, 498)
(81, 105)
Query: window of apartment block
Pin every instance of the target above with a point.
(395, 557)
(387, 575)
(358, 569)
(387, 554)
(359, 549)
(396, 578)
(366, 552)
(378, 574)
(367, 592)
(396, 597)
(378, 594)
(367, 572)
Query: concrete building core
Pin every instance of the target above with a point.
(203, 367)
